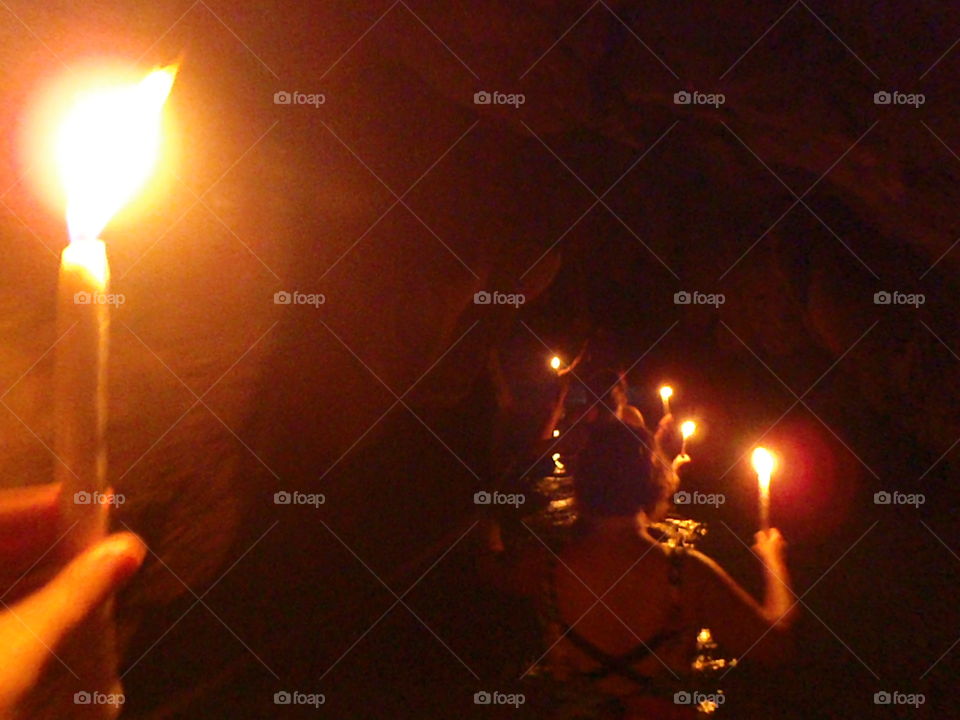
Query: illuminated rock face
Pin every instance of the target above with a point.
(288, 389)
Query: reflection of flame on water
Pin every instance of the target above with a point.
(707, 707)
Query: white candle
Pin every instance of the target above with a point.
(80, 376)
(107, 148)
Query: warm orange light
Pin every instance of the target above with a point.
(763, 463)
(688, 428)
(88, 257)
(107, 148)
(558, 465)
(555, 362)
(666, 392)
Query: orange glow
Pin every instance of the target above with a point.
(688, 428)
(555, 362)
(666, 392)
(763, 463)
(89, 257)
(107, 148)
(558, 466)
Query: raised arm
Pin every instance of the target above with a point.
(735, 618)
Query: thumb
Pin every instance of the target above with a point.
(31, 629)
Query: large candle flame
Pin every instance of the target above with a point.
(688, 428)
(107, 148)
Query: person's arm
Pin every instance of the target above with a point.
(735, 618)
(556, 413)
(633, 417)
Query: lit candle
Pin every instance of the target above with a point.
(666, 392)
(555, 362)
(686, 430)
(763, 463)
(106, 150)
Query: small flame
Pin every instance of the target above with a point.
(557, 464)
(763, 463)
(555, 362)
(666, 392)
(556, 433)
(688, 428)
(107, 148)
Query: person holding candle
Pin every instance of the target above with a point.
(44, 601)
(614, 656)
(611, 388)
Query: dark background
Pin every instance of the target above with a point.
(293, 197)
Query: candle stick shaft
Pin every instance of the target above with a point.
(81, 464)
(81, 392)
(764, 502)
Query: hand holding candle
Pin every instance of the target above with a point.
(763, 464)
(107, 148)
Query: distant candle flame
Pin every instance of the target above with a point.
(556, 433)
(688, 428)
(557, 464)
(666, 392)
(763, 463)
(107, 148)
(555, 362)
